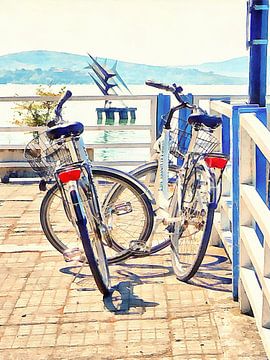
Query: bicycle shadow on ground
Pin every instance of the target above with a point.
(216, 269)
(134, 272)
(144, 273)
(123, 301)
(214, 274)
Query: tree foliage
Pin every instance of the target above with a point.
(37, 113)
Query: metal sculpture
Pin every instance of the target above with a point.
(108, 80)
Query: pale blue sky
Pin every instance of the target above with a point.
(160, 32)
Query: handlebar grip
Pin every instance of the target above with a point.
(58, 109)
(177, 89)
(174, 88)
(159, 85)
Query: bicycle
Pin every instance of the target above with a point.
(187, 195)
(58, 155)
(177, 188)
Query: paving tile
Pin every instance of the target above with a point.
(48, 313)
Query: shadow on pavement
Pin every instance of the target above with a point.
(123, 301)
(213, 274)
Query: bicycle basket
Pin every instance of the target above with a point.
(44, 155)
(180, 137)
(206, 142)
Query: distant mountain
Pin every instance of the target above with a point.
(233, 67)
(42, 59)
(236, 67)
(44, 67)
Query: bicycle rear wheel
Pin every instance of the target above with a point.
(87, 224)
(147, 174)
(191, 236)
(128, 216)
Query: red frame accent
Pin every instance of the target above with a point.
(69, 175)
(216, 162)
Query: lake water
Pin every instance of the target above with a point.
(85, 112)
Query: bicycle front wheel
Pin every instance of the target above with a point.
(191, 235)
(128, 215)
(86, 221)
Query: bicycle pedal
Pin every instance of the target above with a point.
(122, 209)
(74, 254)
(138, 248)
(139, 253)
(170, 228)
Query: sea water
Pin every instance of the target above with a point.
(85, 112)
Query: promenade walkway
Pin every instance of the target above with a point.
(46, 313)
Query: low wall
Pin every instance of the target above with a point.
(14, 165)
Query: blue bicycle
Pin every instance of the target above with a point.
(76, 210)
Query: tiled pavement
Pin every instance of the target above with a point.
(46, 313)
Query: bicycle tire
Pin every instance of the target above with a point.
(189, 246)
(162, 239)
(92, 243)
(59, 231)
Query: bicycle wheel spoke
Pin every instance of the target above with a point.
(114, 196)
(147, 175)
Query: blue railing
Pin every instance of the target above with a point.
(246, 228)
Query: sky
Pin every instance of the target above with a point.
(157, 32)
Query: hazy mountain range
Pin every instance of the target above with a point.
(45, 67)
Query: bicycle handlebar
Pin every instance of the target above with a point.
(174, 88)
(177, 92)
(58, 109)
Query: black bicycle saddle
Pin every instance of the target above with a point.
(210, 121)
(65, 130)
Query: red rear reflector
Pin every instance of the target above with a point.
(216, 162)
(69, 175)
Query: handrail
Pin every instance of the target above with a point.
(86, 128)
(257, 131)
(221, 107)
(249, 216)
(142, 143)
(77, 98)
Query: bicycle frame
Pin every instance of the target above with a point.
(80, 161)
(164, 206)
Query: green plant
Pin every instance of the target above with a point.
(36, 113)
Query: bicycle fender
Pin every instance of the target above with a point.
(129, 178)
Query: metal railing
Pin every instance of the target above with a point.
(243, 222)
(150, 126)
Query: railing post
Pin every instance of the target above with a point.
(261, 168)
(226, 128)
(258, 41)
(236, 110)
(163, 106)
(182, 120)
(261, 182)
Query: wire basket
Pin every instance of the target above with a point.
(180, 137)
(44, 155)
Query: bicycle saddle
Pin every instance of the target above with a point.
(65, 130)
(203, 119)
